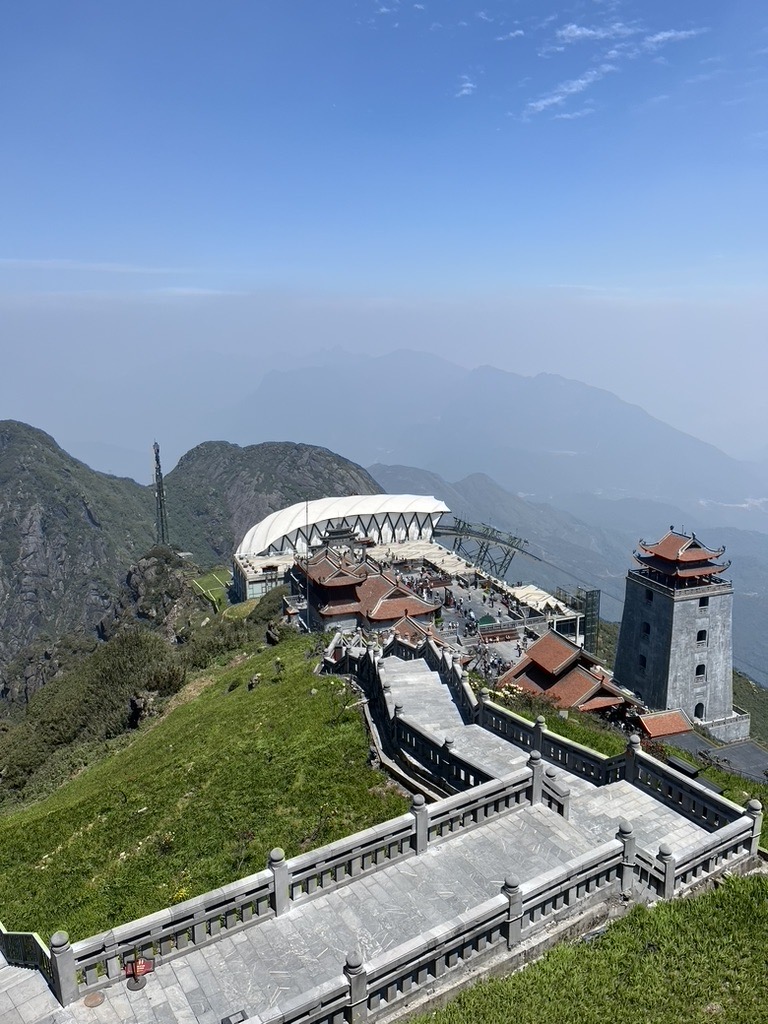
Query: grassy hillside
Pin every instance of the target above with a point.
(196, 799)
(685, 962)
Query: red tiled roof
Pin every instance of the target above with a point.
(681, 571)
(553, 653)
(573, 688)
(679, 547)
(386, 610)
(665, 723)
(599, 703)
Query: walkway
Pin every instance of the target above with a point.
(262, 966)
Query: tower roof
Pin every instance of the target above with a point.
(680, 555)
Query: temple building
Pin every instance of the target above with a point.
(674, 648)
(562, 672)
(344, 593)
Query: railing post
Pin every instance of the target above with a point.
(114, 968)
(370, 650)
(755, 811)
(446, 759)
(421, 822)
(397, 714)
(559, 791)
(63, 969)
(357, 1009)
(514, 923)
(626, 836)
(281, 896)
(539, 728)
(633, 749)
(482, 697)
(536, 765)
(667, 859)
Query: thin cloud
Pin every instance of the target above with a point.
(577, 33)
(671, 36)
(575, 115)
(466, 86)
(510, 35)
(570, 88)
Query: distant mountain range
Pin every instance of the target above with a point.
(573, 469)
(546, 438)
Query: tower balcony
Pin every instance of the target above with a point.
(680, 589)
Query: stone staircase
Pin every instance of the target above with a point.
(26, 999)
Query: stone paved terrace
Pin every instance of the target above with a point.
(262, 966)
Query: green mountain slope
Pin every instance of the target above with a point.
(68, 534)
(197, 799)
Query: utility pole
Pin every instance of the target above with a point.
(161, 516)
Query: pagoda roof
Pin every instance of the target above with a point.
(679, 555)
(679, 547)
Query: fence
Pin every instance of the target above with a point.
(569, 755)
(73, 970)
(367, 991)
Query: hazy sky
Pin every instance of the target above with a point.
(193, 191)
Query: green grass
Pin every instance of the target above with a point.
(687, 962)
(214, 585)
(196, 800)
(754, 699)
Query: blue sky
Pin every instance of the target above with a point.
(577, 188)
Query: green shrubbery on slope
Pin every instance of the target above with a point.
(198, 799)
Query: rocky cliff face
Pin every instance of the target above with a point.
(69, 534)
(64, 531)
(156, 592)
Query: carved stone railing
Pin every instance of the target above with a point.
(368, 991)
(669, 873)
(99, 961)
(567, 754)
(686, 796)
(436, 755)
(466, 809)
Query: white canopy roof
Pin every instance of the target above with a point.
(309, 513)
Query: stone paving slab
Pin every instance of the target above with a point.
(280, 958)
(652, 821)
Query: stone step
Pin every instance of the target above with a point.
(26, 999)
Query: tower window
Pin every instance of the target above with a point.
(646, 629)
(703, 602)
(642, 661)
(648, 595)
(701, 670)
(701, 636)
(698, 711)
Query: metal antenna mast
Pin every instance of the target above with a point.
(161, 516)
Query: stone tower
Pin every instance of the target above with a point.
(674, 647)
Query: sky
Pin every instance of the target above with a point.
(193, 192)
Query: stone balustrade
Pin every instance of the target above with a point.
(436, 755)
(688, 797)
(26, 949)
(467, 809)
(366, 991)
(99, 960)
(569, 755)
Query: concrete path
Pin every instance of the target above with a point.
(269, 963)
